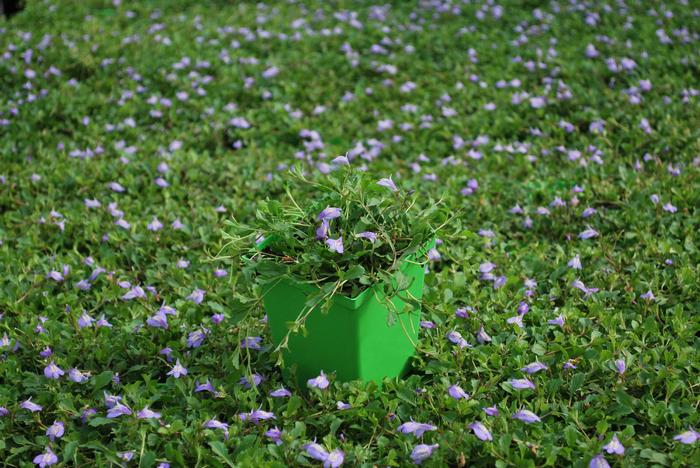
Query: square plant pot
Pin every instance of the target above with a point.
(353, 339)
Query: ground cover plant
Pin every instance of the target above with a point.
(560, 327)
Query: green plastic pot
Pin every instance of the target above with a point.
(353, 339)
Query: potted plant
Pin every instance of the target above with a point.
(341, 274)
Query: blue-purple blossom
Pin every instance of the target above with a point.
(558, 320)
(456, 392)
(480, 431)
(256, 416)
(614, 446)
(416, 428)
(456, 338)
(47, 458)
(52, 371)
(214, 424)
(526, 416)
(196, 338)
(319, 382)
(178, 370)
(422, 452)
(688, 437)
(329, 213)
(316, 451)
(588, 234)
(533, 367)
(388, 183)
(483, 337)
(280, 393)
(251, 342)
(621, 366)
(335, 245)
(343, 406)
(491, 411)
(197, 296)
(254, 380)
(369, 235)
(118, 410)
(147, 413)
(29, 405)
(55, 430)
(521, 384)
(598, 461)
(275, 435)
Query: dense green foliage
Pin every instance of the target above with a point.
(564, 135)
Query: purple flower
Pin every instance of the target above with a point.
(206, 386)
(335, 245)
(416, 428)
(254, 381)
(52, 371)
(456, 338)
(480, 431)
(159, 320)
(220, 272)
(456, 392)
(621, 366)
(334, 459)
(85, 320)
(78, 377)
(688, 437)
(30, 406)
(280, 393)
(329, 213)
(256, 416)
(518, 320)
(559, 320)
(216, 319)
(499, 282)
(154, 225)
(587, 292)
(197, 296)
(319, 382)
(533, 367)
(83, 285)
(569, 364)
(55, 430)
(322, 230)
(178, 370)
(521, 384)
(482, 337)
(275, 435)
(126, 456)
(196, 338)
(649, 296)
(316, 451)
(614, 446)
(491, 411)
(47, 458)
(214, 424)
(523, 308)
(388, 183)
(575, 263)
(251, 342)
(55, 275)
(526, 416)
(369, 235)
(147, 413)
(134, 293)
(3, 411)
(427, 324)
(118, 410)
(588, 234)
(46, 352)
(598, 461)
(486, 267)
(343, 406)
(422, 452)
